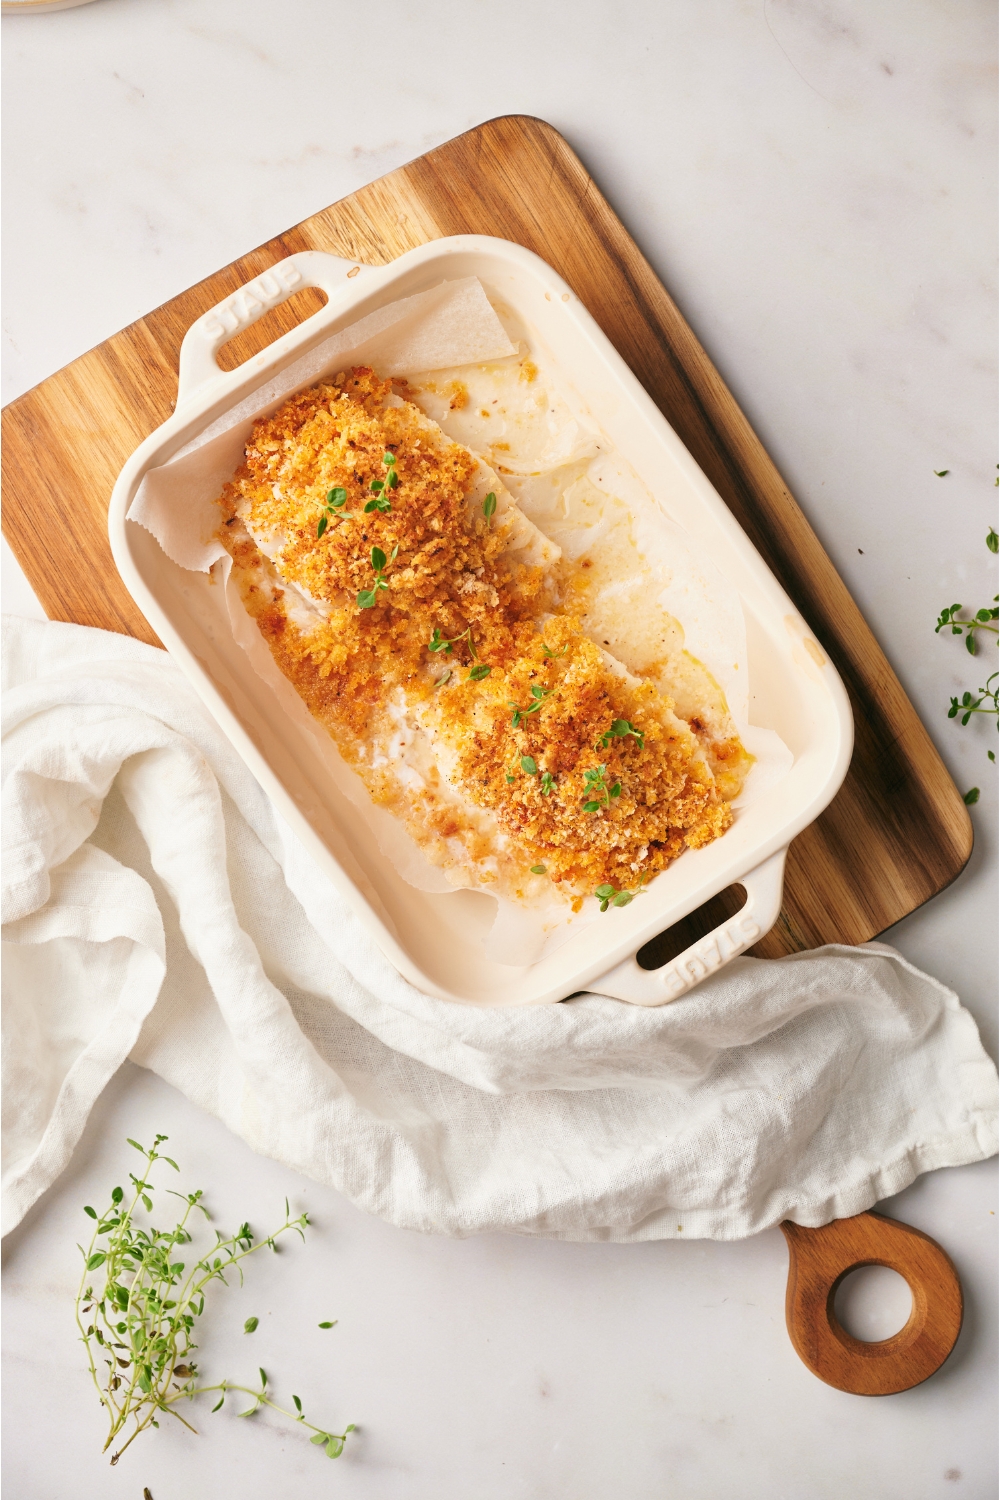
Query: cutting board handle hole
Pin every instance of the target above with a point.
(270, 326)
(872, 1303)
(666, 946)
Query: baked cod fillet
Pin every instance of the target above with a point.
(430, 628)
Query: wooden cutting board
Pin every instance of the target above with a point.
(898, 831)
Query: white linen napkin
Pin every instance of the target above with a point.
(157, 908)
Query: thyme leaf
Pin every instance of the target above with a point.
(438, 642)
(336, 499)
(539, 694)
(621, 729)
(607, 895)
(599, 794)
(379, 561)
(380, 487)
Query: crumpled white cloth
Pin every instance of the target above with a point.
(157, 908)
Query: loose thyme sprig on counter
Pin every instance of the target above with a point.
(145, 1305)
(983, 619)
(988, 701)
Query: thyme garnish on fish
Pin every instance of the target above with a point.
(336, 499)
(619, 730)
(539, 694)
(367, 597)
(599, 794)
(380, 487)
(607, 895)
(530, 768)
(438, 642)
(489, 507)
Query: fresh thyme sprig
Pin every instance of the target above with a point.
(438, 642)
(367, 597)
(969, 705)
(607, 895)
(599, 794)
(619, 730)
(336, 499)
(988, 701)
(539, 694)
(983, 619)
(554, 655)
(380, 487)
(144, 1306)
(530, 768)
(333, 1442)
(489, 507)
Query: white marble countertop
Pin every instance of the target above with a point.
(814, 181)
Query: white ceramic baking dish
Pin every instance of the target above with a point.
(436, 940)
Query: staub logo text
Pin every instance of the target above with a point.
(250, 301)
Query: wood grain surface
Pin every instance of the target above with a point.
(818, 1261)
(898, 831)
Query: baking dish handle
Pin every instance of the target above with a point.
(205, 338)
(640, 986)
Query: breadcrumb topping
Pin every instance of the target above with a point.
(526, 710)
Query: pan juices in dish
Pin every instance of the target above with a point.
(486, 667)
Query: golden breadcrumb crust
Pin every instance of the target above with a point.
(450, 575)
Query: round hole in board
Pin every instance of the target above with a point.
(872, 1303)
